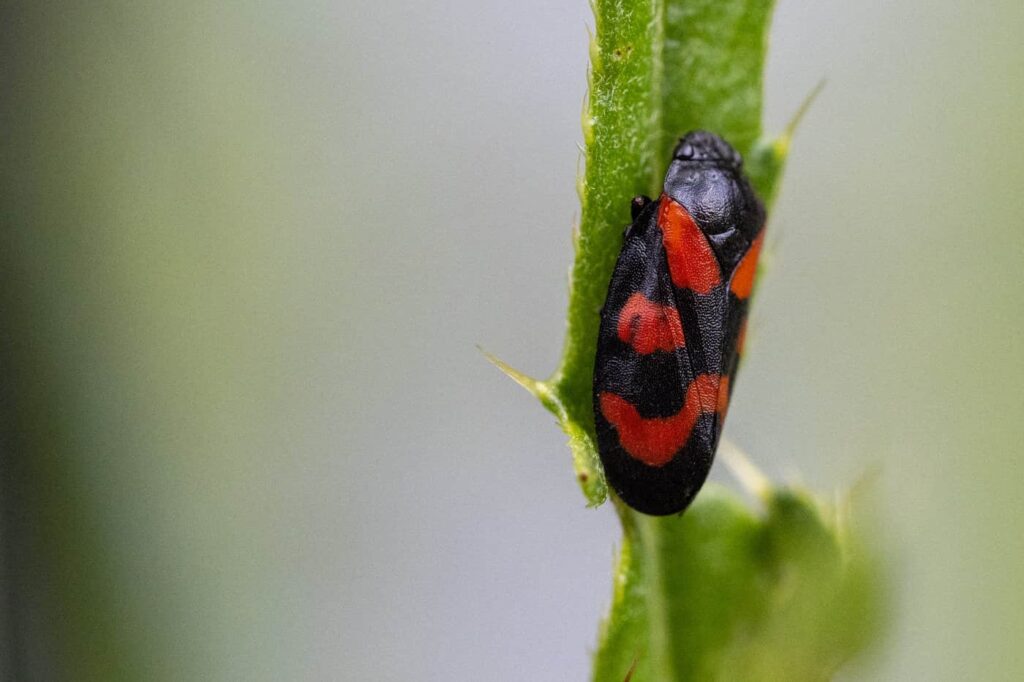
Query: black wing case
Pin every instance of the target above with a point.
(655, 445)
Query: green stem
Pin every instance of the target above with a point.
(621, 130)
(659, 596)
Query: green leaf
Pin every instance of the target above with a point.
(720, 593)
(714, 63)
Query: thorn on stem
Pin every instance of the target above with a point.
(782, 143)
(749, 476)
(538, 388)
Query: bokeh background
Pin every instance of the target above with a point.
(248, 250)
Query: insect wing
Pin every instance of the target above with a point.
(654, 439)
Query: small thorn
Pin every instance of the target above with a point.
(538, 388)
(782, 143)
(748, 475)
(867, 480)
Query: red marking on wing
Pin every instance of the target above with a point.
(723, 397)
(691, 262)
(742, 283)
(656, 441)
(650, 326)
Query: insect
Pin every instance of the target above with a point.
(672, 326)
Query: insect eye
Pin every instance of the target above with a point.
(686, 151)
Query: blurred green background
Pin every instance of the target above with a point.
(247, 252)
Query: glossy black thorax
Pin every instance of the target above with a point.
(706, 177)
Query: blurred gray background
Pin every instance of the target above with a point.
(248, 249)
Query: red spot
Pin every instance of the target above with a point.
(650, 326)
(656, 441)
(691, 262)
(723, 397)
(707, 391)
(742, 283)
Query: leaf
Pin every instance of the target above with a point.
(714, 55)
(719, 593)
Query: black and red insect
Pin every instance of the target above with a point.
(672, 326)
